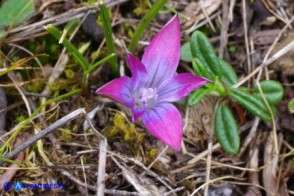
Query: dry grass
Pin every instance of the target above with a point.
(93, 148)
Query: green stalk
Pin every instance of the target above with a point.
(144, 23)
(71, 48)
(107, 29)
(11, 161)
(68, 27)
(93, 67)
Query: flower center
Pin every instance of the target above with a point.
(146, 94)
(147, 97)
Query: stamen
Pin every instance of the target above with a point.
(146, 94)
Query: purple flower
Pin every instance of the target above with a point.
(154, 85)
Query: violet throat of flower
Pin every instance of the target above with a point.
(147, 97)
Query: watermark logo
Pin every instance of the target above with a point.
(17, 186)
(7, 186)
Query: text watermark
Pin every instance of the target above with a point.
(7, 186)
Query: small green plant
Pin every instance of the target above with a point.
(82, 61)
(260, 100)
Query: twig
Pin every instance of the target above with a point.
(288, 25)
(131, 176)
(93, 188)
(271, 11)
(232, 5)
(225, 27)
(214, 180)
(150, 172)
(18, 87)
(173, 191)
(209, 155)
(206, 15)
(277, 55)
(246, 34)
(271, 158)
(84, 173)
(202, 23)
(253, 175)
(3, 106)
(272, 116)
(249, 136)
(154, 161)
(31, 103)
(202, 154)
(32, 54)
(23, 32)
(45, 132)
(186, 122)
(101, 167)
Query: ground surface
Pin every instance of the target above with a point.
(244, 34)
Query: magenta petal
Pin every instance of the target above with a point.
(179, 86)
(161, 56)
(138, 112)
(138, 70)
(165, 122)
(119, 90)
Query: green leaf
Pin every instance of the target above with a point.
(202, 49)
(13, 12)
(97, 64)
(291, 106)
(197, 95)
(251, 103)
(220, 88)
(71, 25)
(273, 107)
(71, 48)
(186, 54)
(229, 76)
(107, 29)
(4, 159)
(272, 90)
(200, 70)
(226, 130)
